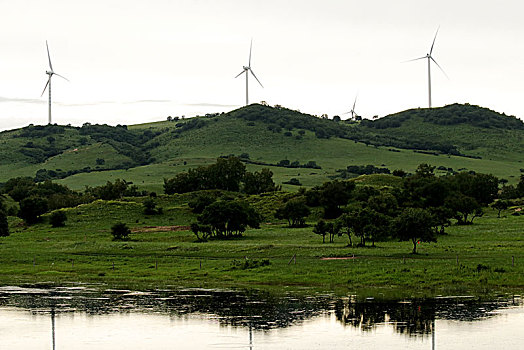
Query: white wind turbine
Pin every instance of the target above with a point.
(352, 111)
(430, 58)
(246, 70)
(50, 72)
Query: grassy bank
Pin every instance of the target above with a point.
(486, 257)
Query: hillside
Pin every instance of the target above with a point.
(456, 136)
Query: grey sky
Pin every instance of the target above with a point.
(136, 61)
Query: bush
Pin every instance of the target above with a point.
(58, 218)
(120, 232)
(150, 207)
(31, 208)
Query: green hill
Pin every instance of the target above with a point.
(312, 148)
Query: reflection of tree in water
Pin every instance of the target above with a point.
(410, 318)
(256, 309)
(415, 317)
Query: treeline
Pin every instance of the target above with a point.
(226, 174)
(284, 163)
(35, 199)
(287, 119)
(450, 115)
(50, 140)
(418, 211)
(355, 170)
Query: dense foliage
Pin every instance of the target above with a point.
(226, 174)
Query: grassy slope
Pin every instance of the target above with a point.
(495, 144)
(225, 135)
(83, 251)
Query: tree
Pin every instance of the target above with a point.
(463, 206)
(294, 211)
(259, 182)
(31, 208)
(58, 218)
(226, 174)
(500, 205)
(520, 187)
(150, 207)
(415, 225)
(229, 218)
(334, 194)
(120, 231)
(4, 226)
(482, 187)
(201, 201)
(321, 228)
(345, 222)
(202, 232)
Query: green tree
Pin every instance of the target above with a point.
(120, 232)
(226, 174)
(58, 218)
(333, 195)
(321, 228)
(150, 207)
(415, 225)
(463, 206)
(482, 187)
(201, 201)
(4, 226)
(345, 222)
(229, 218)
(500, 205)
(259, 182)
(294, 211)
(31, 208)
(520, 187)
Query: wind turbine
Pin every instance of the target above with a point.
(352, 111)
(50, 72)
(430, 58)
(246, 70)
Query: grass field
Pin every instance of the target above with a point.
(486, 257)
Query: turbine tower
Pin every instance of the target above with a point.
(430, 58)
(246, 70)
(50, 72)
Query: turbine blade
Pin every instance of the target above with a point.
(438, 66)
(45, 87)
(415, 59)
(239, 74)
(61, 76)
(49, 56)
(250, 47)
(435, 38)
(255, 77)
(354, 103)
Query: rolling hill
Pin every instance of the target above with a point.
(454, 137)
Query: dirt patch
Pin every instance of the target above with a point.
(160, 229)
(340, 258)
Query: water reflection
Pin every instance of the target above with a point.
(257, 314)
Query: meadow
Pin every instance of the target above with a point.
(484, 258)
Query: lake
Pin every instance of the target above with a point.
(85, 317)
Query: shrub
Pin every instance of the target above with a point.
(31, 208)
(150, 207)
(58, 218)
(120, 232)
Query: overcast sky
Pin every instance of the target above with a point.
(136, 61)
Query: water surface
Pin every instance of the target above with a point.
(87, 318)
